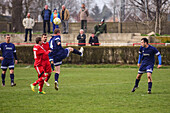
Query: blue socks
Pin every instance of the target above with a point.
(3, 79)
(76, 52)
(56, 77)
(149, 86)
(12, 78)
(137, 82)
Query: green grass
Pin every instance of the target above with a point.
(87, 90)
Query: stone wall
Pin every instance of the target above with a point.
(112, 27)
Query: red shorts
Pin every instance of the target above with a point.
(40, 71)
(47, 66)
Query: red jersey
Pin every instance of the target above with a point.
(39, 51)
(46, 47)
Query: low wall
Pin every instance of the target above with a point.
(98, 55)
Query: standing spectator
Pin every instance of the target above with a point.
(28, 23)
(82, 38)
(64, 15)
(83, 17)
(46, 13)
(53, 16)
(94, 40)
(100, 28)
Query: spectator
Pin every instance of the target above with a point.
(28, 23)
(100, 28)
(82, 38)
(64, 15)
(83, 17)
(94, 40)
(46, 13)
(53, 16)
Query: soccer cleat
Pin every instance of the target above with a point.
(13, 84)
(46, 83)
(32, 87)
(81, 51)
(56, 85)
(133, 90)
(42, 92)
(149, 92)
(3, 85)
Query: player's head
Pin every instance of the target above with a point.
(44, 37)
(81, 31)
(46, 7)
(55, 10)
(57, 31)
(144, 42)
(38, 40)
(7, 38)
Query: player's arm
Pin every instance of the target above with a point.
(57, 41)
(15, 56)
(1, 58)
(159, 57)
(140, 56)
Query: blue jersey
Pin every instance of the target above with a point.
(8, 50)
(58, 50)
(148, 55)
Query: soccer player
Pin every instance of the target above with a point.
(146, 54)
(8, 54)
(46, 63)
(39, 51)
(59, 53)
(51, 57)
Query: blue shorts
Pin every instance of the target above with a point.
(145, 69)
(50, 57)
(58, 59)
(7, 63)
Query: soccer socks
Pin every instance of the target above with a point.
(48, 77)
(38, 81)
(149, 86)
(137, 82)
(3, 79)
(12, 78)
(76, 52)
(56, 77)
(41, 86)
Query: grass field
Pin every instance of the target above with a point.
(87, 90)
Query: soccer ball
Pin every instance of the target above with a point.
(56, 21)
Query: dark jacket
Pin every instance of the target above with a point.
(94, 40)
(42, 13)
(102, 28)
(82, 39)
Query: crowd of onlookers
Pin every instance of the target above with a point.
(48, 16)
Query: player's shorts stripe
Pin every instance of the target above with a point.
(58, 63)
(141, 71)
(38, 70)
(149, 70)
(4, 67)
(157, 53)
(50, 60)
(11, 66)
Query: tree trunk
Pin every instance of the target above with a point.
(17, 15)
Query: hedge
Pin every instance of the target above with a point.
(97, 55)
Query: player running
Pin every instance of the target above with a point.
(146, 54)
(8, 54)
(46, 63)
(39, 51)
(59, 53)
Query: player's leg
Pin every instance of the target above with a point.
(57, 68)
(142, 70)
(79, 52)
(149, 75)
(12, 76)
(3, 76)
(47, 70)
